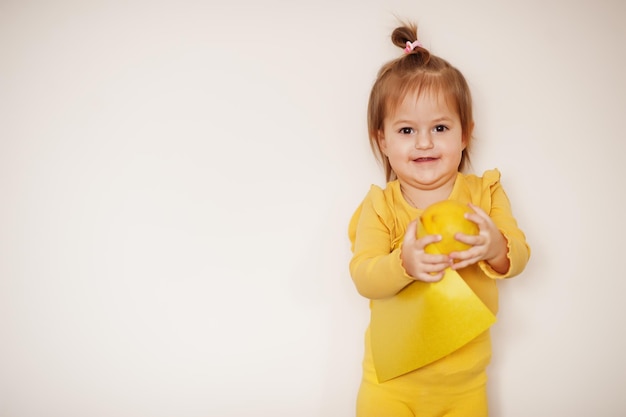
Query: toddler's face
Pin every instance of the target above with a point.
(423, 140)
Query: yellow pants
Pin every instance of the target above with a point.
(452, 386)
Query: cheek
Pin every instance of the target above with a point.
(397, 149)
(456, 146)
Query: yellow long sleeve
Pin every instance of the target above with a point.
(414, 323)
(378, 226)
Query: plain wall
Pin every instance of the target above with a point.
(176, 180)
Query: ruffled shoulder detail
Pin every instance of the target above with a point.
(378, 198)
(489, 178)
(381, 202)
(479, 189)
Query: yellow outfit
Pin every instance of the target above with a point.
(453, 384)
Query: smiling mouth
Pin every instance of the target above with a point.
(424, 159)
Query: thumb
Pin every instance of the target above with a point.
(411, 231)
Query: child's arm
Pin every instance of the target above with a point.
(420, 265)
(488, 245)
(377, 270)
(501, 245)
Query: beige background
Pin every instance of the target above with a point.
(176, 179)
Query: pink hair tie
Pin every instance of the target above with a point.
(411, 46)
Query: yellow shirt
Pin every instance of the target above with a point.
(378, 226)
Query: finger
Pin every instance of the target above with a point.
(411, 232)
(431, 277)
(435, 268)
(480, 217)
(478, 210)
(436, 260)
(427, 240)
(462, 264)
(466, 258)
(476, 244)
(471, 240)
(477, 218)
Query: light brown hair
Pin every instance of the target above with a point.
(416, 72)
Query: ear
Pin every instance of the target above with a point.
(468, 135)
(382, 144)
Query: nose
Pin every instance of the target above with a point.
(423, 141)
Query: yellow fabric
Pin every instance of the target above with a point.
(454, 386)
(438, 319)
(376, 231)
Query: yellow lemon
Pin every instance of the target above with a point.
(446, 218)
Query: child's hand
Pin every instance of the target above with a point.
(420, 265)
(488, 245)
